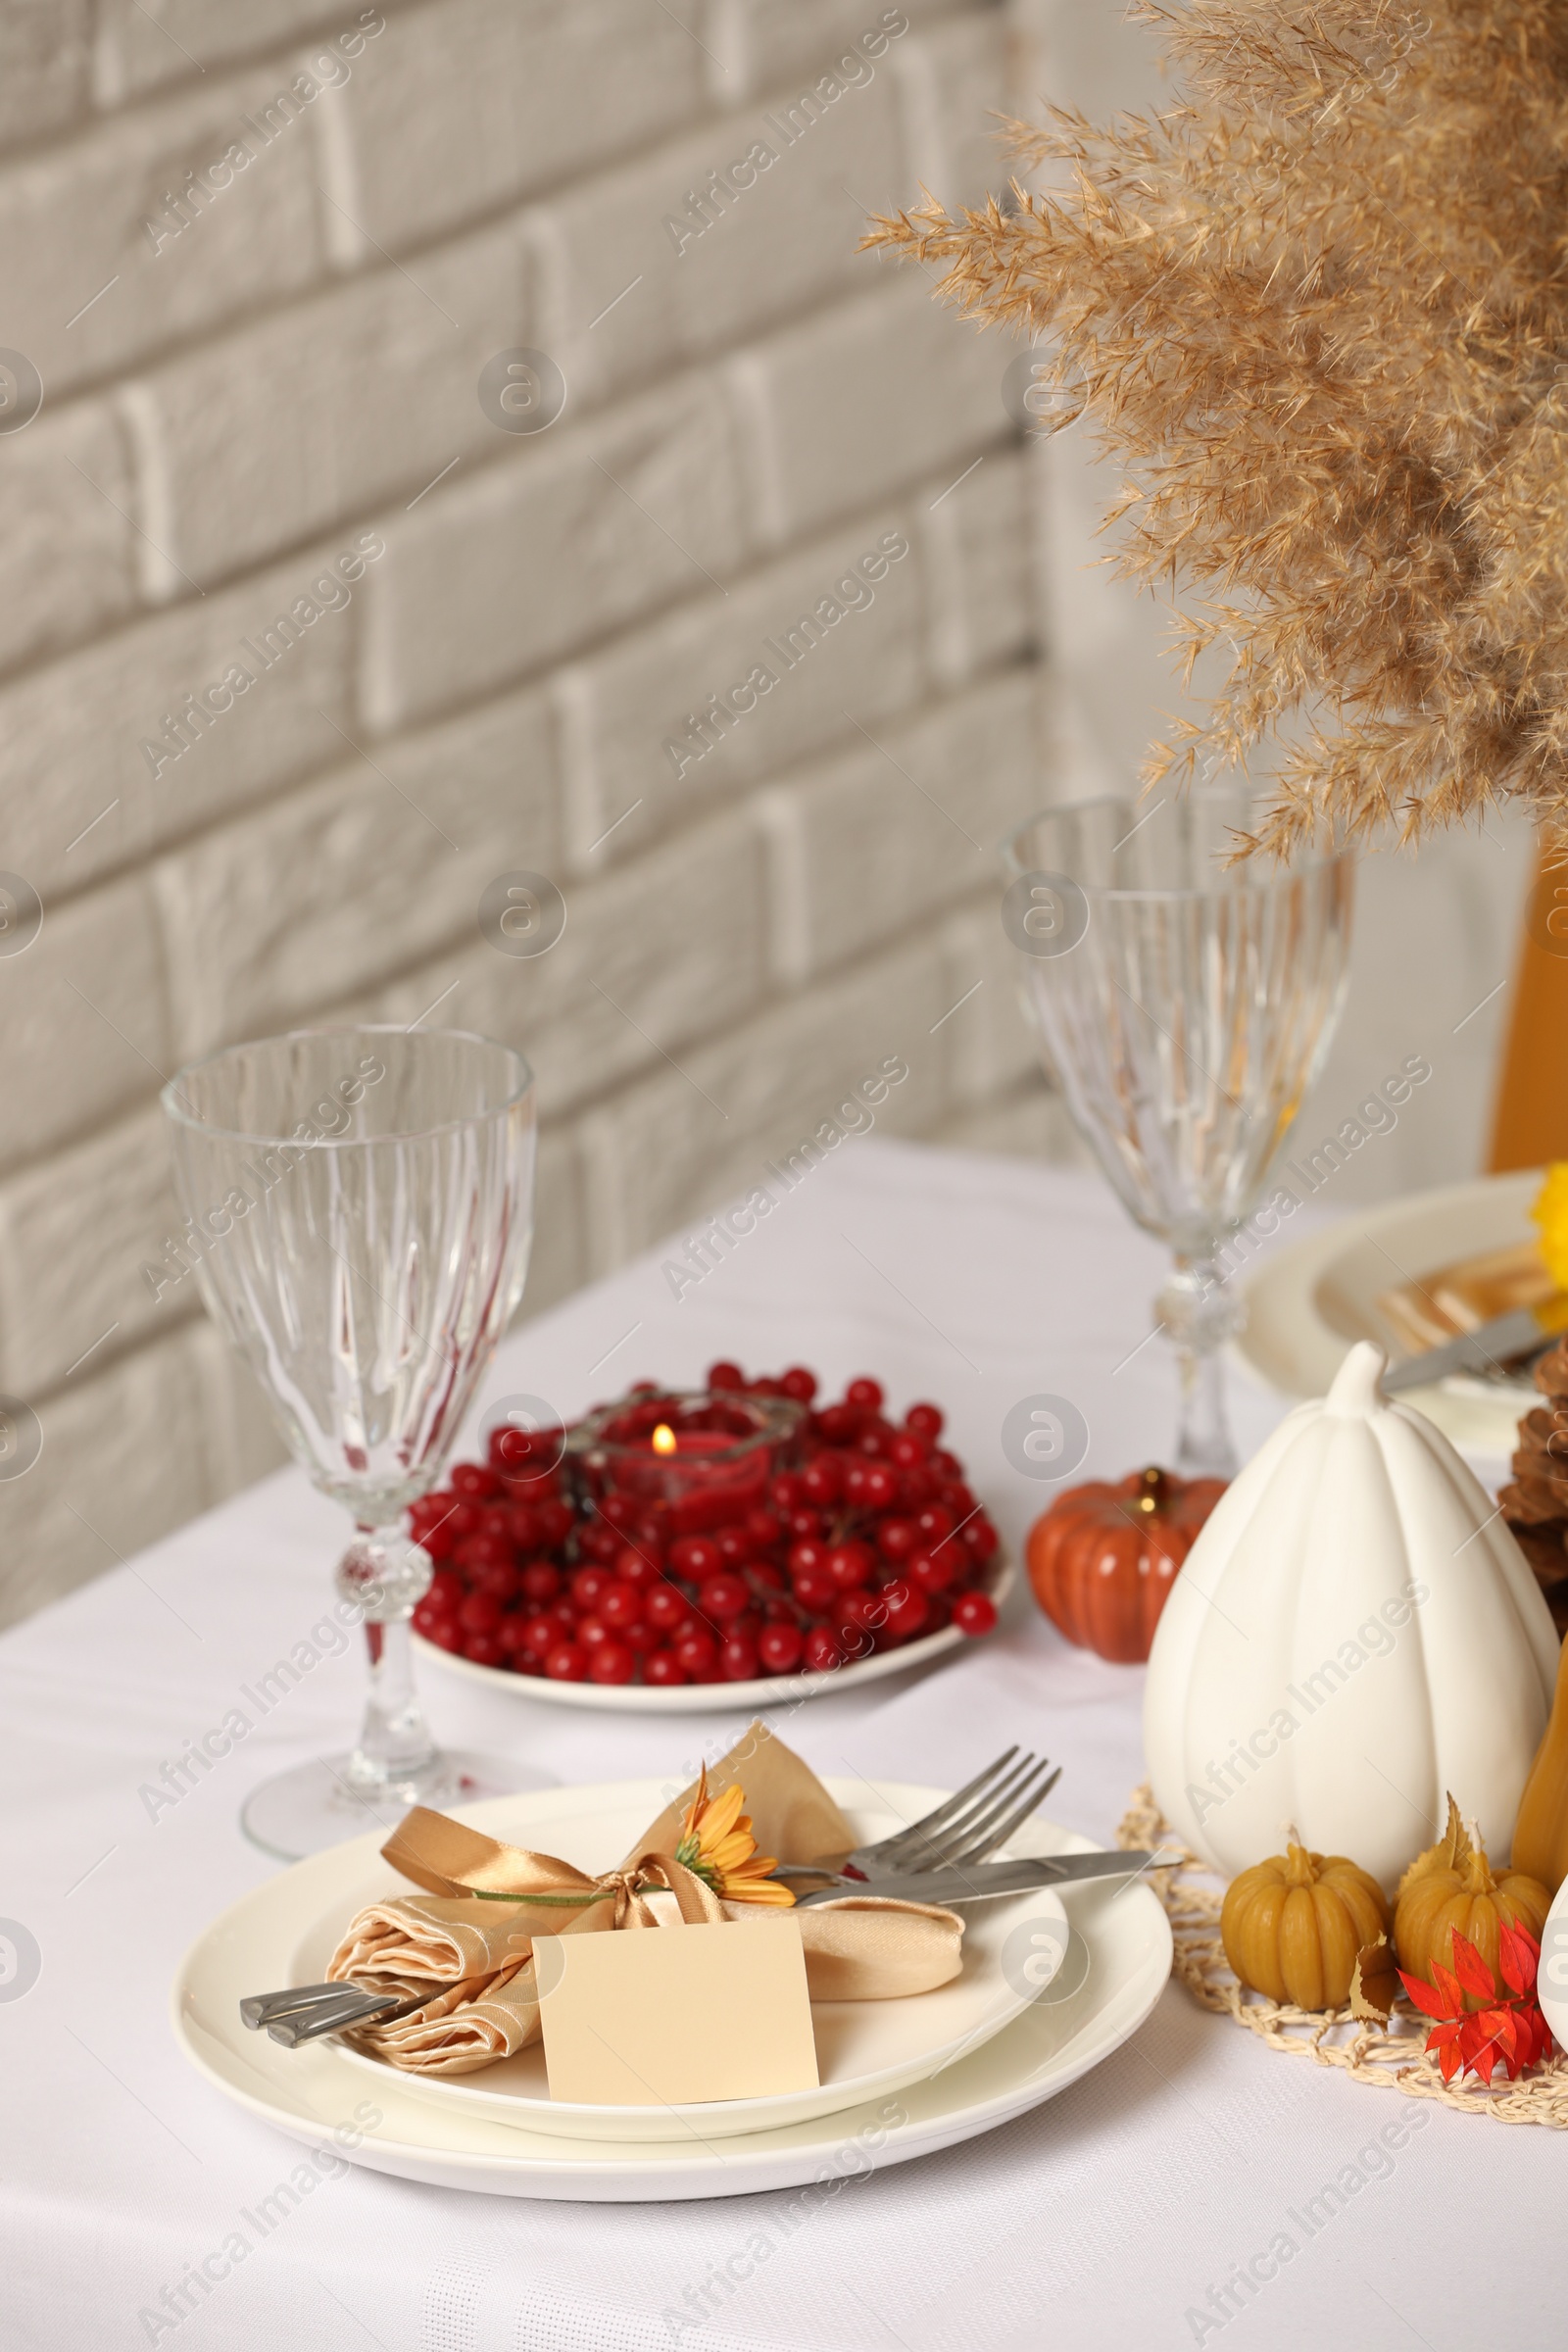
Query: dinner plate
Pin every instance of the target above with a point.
(1117, 1964)
(1311, 1302)
(863, 2049)
(706, 1698)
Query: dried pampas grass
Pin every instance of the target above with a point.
(1319, 306)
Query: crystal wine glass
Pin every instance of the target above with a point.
(1185, 1008)
(360, 1202)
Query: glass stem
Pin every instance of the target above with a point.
(386, 1576)
(1200, 1314)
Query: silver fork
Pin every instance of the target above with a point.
(966, 1827)
(309, 2012)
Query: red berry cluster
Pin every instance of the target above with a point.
(869, 1538)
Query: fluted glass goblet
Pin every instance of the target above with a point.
(1185, 1006)
(359, 1208)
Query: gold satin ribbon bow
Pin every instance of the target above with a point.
(444, 1857)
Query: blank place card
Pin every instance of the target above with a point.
(655, 2016)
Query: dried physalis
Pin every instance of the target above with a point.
(1374, 1983)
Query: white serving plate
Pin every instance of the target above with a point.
(1116, 1968)
(708, 1698)
(1311, 1302)
(865, 2050)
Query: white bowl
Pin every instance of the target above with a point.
(707, 1699)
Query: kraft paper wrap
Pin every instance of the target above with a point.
(478, 1955)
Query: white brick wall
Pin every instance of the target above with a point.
(235, 400)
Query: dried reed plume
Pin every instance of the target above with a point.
(1319, 308)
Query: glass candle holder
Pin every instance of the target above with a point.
(688, 1461)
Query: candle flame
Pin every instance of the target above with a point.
(664, 1438)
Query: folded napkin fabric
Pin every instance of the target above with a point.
(479, 1955)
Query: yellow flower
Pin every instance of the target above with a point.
(716, 1844)
(1550, 1213)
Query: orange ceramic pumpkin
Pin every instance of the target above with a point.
(1102, 1558)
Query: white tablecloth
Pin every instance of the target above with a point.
(1114, 2216)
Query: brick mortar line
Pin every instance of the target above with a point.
(264, 309)
(779, 999)
(711, 367)
(299, 781)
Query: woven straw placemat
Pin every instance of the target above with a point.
(1392, 2058)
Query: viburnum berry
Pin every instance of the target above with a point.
(866, 1393)
(556, 1523)
(510, 1633)
(722, 1596)
(907, 1451)
(785, 1490)
(838, 1424)
(591, 1630)
(599, 1541)
(929, 1571)
(695, 1556)
(780, 1647)
(896, 1539)
(634, 1566)
(446, 1589)
(934, 1522)
(814, 1589)
(733, 1546)
(475, 1483)
(851, 1564)
(860, 1612)
(737, 1659)
(479, 1614)
(979, 1538)
(879, 1485)
(823, 1478)
(763, 1528)
(802, 1525)
(539, 1579)
(482, 1649)
(822, 1651)
(946, 1465)
(926, 1420)
(499, 1582)
(725, 1375)
(974, 1613)
(805, 1554)
(568, 1663)
(662, 1669)
(540, 1636)
(695, 1651)
(611, 1662)
(905, 1608)
(588, 1584)
(620, 1605)
(798, 1383)
(665, 1607)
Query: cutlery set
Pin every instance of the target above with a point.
(944, 1858)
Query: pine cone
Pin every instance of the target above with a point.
(1536, 1504)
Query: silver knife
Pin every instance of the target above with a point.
(1487, 1348)
(978, 1882)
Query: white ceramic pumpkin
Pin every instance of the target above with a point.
(1354, 1634)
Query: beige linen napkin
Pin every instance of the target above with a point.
(479, 1955)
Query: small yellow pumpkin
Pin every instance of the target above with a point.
(1293, 1926)
(1451, 1888)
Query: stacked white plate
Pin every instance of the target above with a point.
(1051, 1985)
